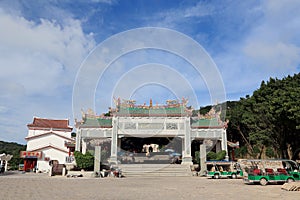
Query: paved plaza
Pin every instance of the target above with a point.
(40, 186)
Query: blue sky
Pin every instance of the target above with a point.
(44, 43)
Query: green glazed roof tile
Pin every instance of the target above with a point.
(205, 123)
(97, 122)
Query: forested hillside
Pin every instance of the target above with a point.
(14, 149)
(267, 123)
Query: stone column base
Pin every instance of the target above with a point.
(187, 161)
(113, 160)
(227, 158)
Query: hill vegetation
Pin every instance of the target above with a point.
(14, 149)
(267, 123)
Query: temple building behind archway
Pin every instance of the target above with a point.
(129, 126)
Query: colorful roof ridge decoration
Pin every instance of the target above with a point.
(211, 119)
(172, 108)
(98, 122)
(49, 123)
(206, 123)
(91, 120)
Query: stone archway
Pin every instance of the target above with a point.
(4, 161)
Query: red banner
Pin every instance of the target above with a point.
(24, 154)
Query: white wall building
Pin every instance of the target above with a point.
(47, 140)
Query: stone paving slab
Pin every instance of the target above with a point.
(41, 186)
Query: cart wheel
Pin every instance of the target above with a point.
(216, 176)
(289, 180)
(263, 181)
(233, 176)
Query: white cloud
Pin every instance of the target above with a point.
(278, 56)
(38, 61)
(41, 56)
(110, 2)
(199, 10)
(269, 47)
(274, 43)
(172, 18)
(258, 39)
(3, 109)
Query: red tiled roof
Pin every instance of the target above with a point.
(50, 123)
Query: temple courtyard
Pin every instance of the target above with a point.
(15, 185)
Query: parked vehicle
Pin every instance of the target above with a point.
(270, 171)
(219, 169)
(21, 167)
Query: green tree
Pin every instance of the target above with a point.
(84, 161)
(211, 155)
(14, 149)
(197, 157)
(270, 118)
(220, 155)
(216, 156)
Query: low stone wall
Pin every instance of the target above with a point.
(87, 174)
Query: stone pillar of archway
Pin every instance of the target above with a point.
(78, 140)
(224, 143)
(219, 145)
(203, 166)
(84, 146)
(186, 147)
(119, 143)
(114, 140)
(5, 158)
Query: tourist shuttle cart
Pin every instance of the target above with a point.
(219, 169)
(270, 171)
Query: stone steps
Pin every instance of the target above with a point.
(293, 186)
(131, 170)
